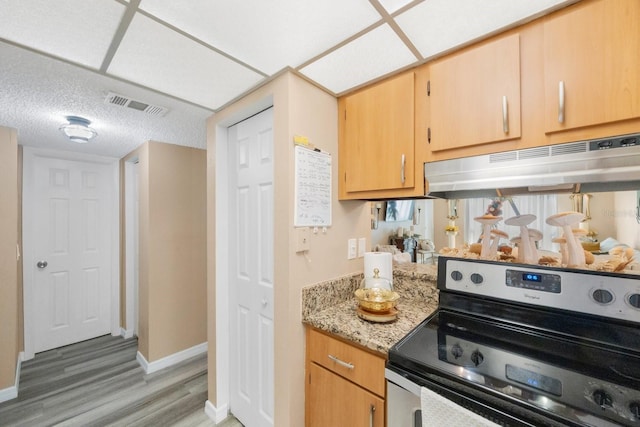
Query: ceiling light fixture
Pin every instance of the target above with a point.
(78, 130)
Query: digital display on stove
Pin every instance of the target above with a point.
(534, 379)
(532, 277)
(545, 282)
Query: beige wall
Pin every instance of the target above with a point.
(172, 248)
(9, 293)
(299, 109)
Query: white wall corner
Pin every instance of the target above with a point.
(126, 333)
(12, 392)
(165, 362)
(218, 415)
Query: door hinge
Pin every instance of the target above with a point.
(345, 114)
(309, 378)
(429, 135)
(428, 87)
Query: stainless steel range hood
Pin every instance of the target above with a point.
(610, 164)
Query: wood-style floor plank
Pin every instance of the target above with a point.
(99, 383)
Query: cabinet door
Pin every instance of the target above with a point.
(475, 96)
(593, 50)
(334, 401)
(378, 136)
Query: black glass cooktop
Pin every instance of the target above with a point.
(570, 365)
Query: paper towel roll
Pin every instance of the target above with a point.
(380, 260)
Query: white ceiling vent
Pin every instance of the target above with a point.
(125, 101)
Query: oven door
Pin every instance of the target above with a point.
(403, 402)
(443, 406)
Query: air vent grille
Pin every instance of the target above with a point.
(506, 156)
(573, 148)
(127, 102)
(539, 152)
(533, 153)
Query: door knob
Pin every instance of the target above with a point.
(42, 264)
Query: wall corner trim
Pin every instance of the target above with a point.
(12, 392)
(216, 414)
(126, 333)
(175, 358)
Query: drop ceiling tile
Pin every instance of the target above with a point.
(77, 30)
(393, 5)
(435, 26)
(267, 35)
(372, 55)
(159, 58)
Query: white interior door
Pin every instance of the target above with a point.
(251, 270)
(68, 251)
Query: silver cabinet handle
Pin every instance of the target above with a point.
(372, 411)
(42, 264)
(561, 102)
(505, 115)
(402, 177)
(341, 362)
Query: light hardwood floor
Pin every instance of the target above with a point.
(100, 383)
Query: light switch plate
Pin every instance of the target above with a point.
(352, 248)
(362, 246)
(302, 239)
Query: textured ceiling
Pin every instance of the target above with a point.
(194, 57)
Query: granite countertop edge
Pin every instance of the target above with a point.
(331, 307)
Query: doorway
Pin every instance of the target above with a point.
(71, 263)
(131, 223)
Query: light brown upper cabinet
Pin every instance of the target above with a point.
(592, 64)
(475, 95)
(376, 128)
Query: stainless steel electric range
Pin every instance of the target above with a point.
(524, 345)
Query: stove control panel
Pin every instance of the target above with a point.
(547, 386)
(591, 292)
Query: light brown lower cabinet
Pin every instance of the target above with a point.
(344, 384)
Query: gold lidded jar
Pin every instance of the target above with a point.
(376, 294)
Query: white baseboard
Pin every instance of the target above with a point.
(12, 392)
(218, 415)
(126, 333)
(165, 362)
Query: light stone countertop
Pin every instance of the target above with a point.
(331, 307)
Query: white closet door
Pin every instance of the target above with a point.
(251, 270)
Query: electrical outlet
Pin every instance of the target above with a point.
(302, 239)
(362, 246)
(352, 249)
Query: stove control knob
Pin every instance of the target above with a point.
(602, 399)
(457, 351)
(477, 278)
(477, 358)
(602, 296)
(634, 300)
(634, 407)
(456, 275)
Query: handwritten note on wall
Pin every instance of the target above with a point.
(312, 188)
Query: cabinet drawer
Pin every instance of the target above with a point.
(352, 363)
